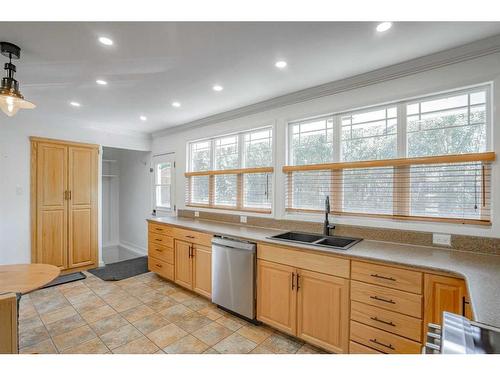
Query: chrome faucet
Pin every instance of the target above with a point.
(327, 227)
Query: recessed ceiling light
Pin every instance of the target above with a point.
(281, 64)
(75, 104)
(143, 118)
(176, 104)
(384, 26)
(101, 82)
(217, 88)
(105, 41)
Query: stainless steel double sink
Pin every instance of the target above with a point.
(332, 242)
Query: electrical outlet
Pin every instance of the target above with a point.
(442, 239)
(243, 219)
(197, 214)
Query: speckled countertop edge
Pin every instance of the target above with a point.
(480, 271)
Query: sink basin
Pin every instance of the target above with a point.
(298, 237)
(333, 242)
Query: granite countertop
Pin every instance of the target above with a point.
(480, 271)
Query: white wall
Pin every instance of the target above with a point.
(480, 70)
(135, 199)
(15, 173)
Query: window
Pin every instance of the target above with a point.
(420, 159)
(312, 142)
(163, 182)
(232, 172)
(369, 135)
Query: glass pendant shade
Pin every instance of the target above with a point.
(11, 104)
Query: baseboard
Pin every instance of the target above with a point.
(134, 248)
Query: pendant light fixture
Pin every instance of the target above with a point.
(11, 99)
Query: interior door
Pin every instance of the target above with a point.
(51, 205)
(82, 201)
(183, 264)
(202, 270)
(323, 310)
(276, 296)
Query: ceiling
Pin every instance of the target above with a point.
(153, 64)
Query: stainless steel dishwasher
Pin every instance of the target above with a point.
(233, 275)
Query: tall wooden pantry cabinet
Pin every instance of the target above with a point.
(64, 178)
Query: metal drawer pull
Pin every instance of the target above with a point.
(159, 250)
(293, 280)
(382, 344)
(383, 277)
(158, 240)
(382, 321)
(159, 229)
(158, 265)
(190, 237)
(382, 299)
(298, 286)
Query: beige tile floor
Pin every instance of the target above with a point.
(143, 314)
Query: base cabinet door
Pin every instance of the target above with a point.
(202, 270)
(323, 310)
(183, 264)
(276, 296)
(441, 294)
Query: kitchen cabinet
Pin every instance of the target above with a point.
(202, 270)
(323, 310)
(193, 267)
(64, 203)
(303, 303)
(442, 293)
(276, 296)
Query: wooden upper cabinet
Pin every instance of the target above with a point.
(323, 310)
(82, 201)
(441, 294)
(276, 296)
(183, 264)
(202, 270)
(51, 209)
(64, 178)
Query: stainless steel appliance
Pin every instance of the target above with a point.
(233, 275)
(459, 335)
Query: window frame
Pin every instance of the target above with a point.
(159, 159)
(401, 137)
(239, 171)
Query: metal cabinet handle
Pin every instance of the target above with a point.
(388, 346)
(159, 250)
(382, 299)
(382, 321)
(298, 286)
(382, 277)
(158, 240)
(190, 237)
(293, 280)
(69, 194)
(158, 265)
(464, 303)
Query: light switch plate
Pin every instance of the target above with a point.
(197, 214)
(441, 239)
(243, 219)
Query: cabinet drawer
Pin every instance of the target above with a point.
(308, 261)
(355, 348)
(161, 240)
(160, 252)
(390, 299)
(390, 321)
(383, 341)
(161, 268)
(193, 237)
(160, 229)
(397, 278)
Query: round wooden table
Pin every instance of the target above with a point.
(24, 278)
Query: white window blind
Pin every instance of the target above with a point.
(232, 172)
